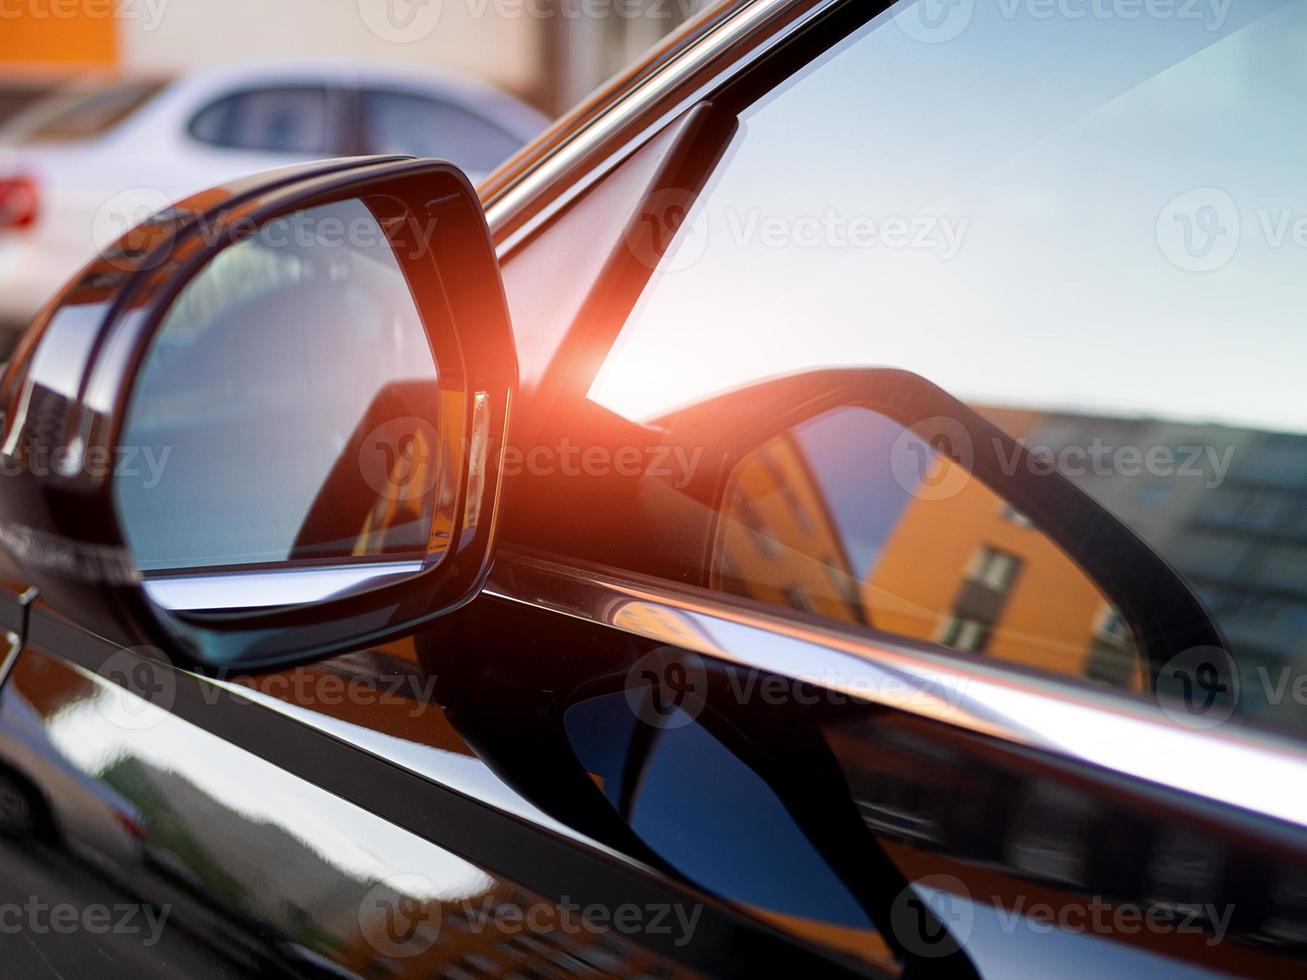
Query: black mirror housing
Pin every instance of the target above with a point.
(68, 397)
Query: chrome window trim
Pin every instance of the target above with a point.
(464, 774)
(16, 639)
(628, 108)
(14, 643)
(1235, 767)
(267, 588)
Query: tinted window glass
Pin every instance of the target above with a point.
(280, 120)
(90, 113)
(400, 122)
(16, 98)
(1083, 228)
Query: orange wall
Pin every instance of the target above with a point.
(1049, 616)
(806, 555)
(57, 32)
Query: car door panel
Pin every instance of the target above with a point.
(279, 876)
(94, 709)
(915, 800)
(898, 801)
(1018, 842)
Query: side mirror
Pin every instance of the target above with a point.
(873, 496)
(267, 425)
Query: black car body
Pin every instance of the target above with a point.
(814, 670)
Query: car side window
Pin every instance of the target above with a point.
(86, 114)
(405, 122)
(1033, 220)
(289, 119)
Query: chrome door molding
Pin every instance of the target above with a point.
(581, 156)
(1233, 765)
(460, 773)
(271, 587)
(16, 638)
(14, 646)
(558, 867)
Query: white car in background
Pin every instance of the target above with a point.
(80, 168)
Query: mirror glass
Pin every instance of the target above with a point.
(897, 536)
(679, 787)
(289, 407)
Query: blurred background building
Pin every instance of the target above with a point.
(549, 53)
(112, 109)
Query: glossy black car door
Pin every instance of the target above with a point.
(627, 757)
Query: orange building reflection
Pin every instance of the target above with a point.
(779, 541)
(967, 572)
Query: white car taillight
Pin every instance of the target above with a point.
(18, 202)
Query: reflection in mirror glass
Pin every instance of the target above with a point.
(680, 788)
(291, 396)
(816, 521)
